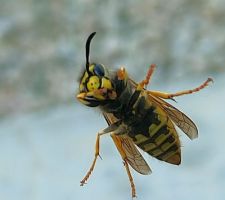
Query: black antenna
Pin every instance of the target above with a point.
(88, 50)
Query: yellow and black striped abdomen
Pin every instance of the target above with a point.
(156, 135)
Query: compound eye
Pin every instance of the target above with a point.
(93, 83)
(99, 70)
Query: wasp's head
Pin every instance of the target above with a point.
(95, 87)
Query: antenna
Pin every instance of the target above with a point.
(88, 50)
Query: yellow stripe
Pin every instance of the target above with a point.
(140, 138)
(162, 118)
(166, 146)
(169, 154)
(149, 147)
(156, 152)
(152, 129)
(159, 140)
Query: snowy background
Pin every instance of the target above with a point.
(47, 138)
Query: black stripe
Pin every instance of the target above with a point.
(140, 125)
(173, 148)
(133, 99)
(170, 139)
(162, 130)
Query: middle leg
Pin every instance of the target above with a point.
(145, 82)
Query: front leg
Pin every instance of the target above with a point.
(145, 82)
(84, 180)
(112, 128)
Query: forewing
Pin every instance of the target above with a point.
(178, 117)
(134, 157)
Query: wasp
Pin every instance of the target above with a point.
(136, 117)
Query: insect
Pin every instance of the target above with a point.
(137, 117)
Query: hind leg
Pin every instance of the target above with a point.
(172, 95)
(118, 144)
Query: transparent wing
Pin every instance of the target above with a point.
(134, 157)
(178, 117)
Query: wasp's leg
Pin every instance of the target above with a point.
(84, 180)
(113, 127)
(145, 82)
(124, 157)
(171, 95)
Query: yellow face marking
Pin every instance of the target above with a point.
(106, 83)
(83, 80)
(84, 77)
(93, 83)
(91, 68)
(97, 95)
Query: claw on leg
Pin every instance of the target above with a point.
(84, 180)
(107, 130)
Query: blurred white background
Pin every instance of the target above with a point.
(47, 138)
